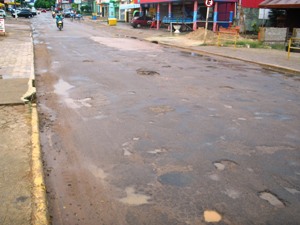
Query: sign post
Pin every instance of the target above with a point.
(208, 3)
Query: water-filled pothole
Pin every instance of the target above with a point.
(271, 198)
(175, 179)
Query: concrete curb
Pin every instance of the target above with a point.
(269, 66)
(31, 89)
(39, 212)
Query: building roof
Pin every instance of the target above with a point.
(280, 4)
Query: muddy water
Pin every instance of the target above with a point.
(136, 133)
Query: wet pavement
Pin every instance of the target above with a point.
(16, 70)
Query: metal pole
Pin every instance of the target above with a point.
(206, 24)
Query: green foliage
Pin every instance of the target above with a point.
(74, 6)
(255, 27)
(85, 8)
(44, 4)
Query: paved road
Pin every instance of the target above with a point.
(16, 67)
(137, 133)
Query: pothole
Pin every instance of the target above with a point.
(271, 198)
(161, 109)
(175, 179)
(211, 216)
(225, 164)
(145, 72)
(133, 198)
(87, 60)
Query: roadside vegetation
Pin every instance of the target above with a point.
(44, 4)
(249, 43)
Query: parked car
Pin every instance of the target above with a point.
(23, 13)
(141, 21)
(2, 13)
(43, 10)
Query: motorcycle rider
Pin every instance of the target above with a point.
(58, 18)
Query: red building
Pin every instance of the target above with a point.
(251, 3)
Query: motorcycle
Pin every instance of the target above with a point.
(60, 25)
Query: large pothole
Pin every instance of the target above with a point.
(271, 198)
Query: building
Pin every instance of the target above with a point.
(290, 15)
(191, 14)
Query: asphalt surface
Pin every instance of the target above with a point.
(21, 184)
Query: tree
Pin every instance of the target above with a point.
(44, 3)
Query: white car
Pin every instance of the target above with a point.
(2, 13)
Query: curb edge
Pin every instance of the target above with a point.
(40, 213)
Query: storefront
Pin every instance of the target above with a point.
(126, 11)
(191, 13)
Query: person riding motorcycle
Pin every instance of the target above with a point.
(58, 18)
(53, 14)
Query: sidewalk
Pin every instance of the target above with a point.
(22, 193)
(268, 58)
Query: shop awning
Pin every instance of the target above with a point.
(12, 3)
(280, 4)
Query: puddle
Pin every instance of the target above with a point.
(134, 199)
(175, 179)
(211, 216)
(62, 88)
(126, 152)
(271, 198)
(292, 190)
(193, 54)
(128, 44)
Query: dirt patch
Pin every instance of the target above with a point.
(199, 34)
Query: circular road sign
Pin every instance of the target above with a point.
(209, 3)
